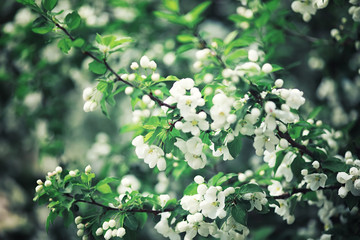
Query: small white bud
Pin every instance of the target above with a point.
(208, 78)
(125, 76)
(78, 220)
(72, 173)
(201, 189)
(155, 77)
(319, 123)
(253, 55)
(39, 182)
(311, 121)
(87, 105)
(87, 93)
(134, 65)
(99, 231)
(80, 226)
(88, 169)
(144, 62)
(249, 173)
(105, 225)
(199, 179)
(202, 115)
(316, 164)
(270, 107)
(152, 65)
(229, 190)
(279, 83)
(121, 232)
(267, 68)
(131, 77)
(255, 112)
(146, 99)
(157, 92)
(231, 118)
(80, 232)
(283, 143)
(179, 125)
(93, 106)
(129, 90)
(39, 188)
(112, 223)
(241, 177)
(304, 172)
(343, 192)
(353, 171)
(47, 183)
(108, 234)
(197, 65)
(58, 169)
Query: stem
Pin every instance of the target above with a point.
(302, 190)
(93, 202)
(297, 145)
(118, 78)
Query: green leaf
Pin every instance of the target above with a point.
(68, 217)
(102, 86)
(239, 214)
(334, 164)
(97, 67)
(104, 108)
(238, 53)
(141, 218)
(42, 26)
(235, 146)
(191, 189)
(108, 180)
(185, 38)
(131, 222)
(73, 20)
(174, 18)
(263, 233)
(49, 4)
(184, 48)
(118, 42)
(171, 5)
(103, 188)
(79, 42)
(225, 178)
(50, 219)
(249, 188)
(315, 112)
(193, 17)
(65, 45)
(214, 179)
(171, 203)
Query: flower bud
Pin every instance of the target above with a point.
(267, 68)
(155, 77)
(316, 164)
(279, 83)
(129, 90)
(88, 169)
(144, 62)
(134, 65)
(121, 232)
(152, 65)
(58, 169)
(99, 231)
(47, 183)
(112, 223)
(87, 93)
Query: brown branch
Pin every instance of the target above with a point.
(93, 202)
(158, 101)
(302, 190)
(297, 145)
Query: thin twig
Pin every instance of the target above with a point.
(93, 202)
(302, 190)
(302, 148)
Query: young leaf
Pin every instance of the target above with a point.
(171, 5)
(103, 188)
(65, 45)
(131, 222)
(97, 67)
(239, 214)
(42, 26)
(73, 20)
(49, 4)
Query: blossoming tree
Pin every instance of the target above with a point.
(188, 127)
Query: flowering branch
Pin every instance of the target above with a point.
(302, 190)
(93, 202)
(297, 145)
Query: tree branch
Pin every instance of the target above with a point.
(297, 145)
(93, 202)
(302, 190)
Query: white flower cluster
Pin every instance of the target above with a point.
(188, 98)
(152, 154)
(49, 179)
(257, 200)
(221, 112)
(351, 180)
(193, 151)
(128, 184)
(308, 8)
(91, 96)
(355, 10)
(283, 210)
(209, 202)
(109, 230)
(201, 56)
(81, 228)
